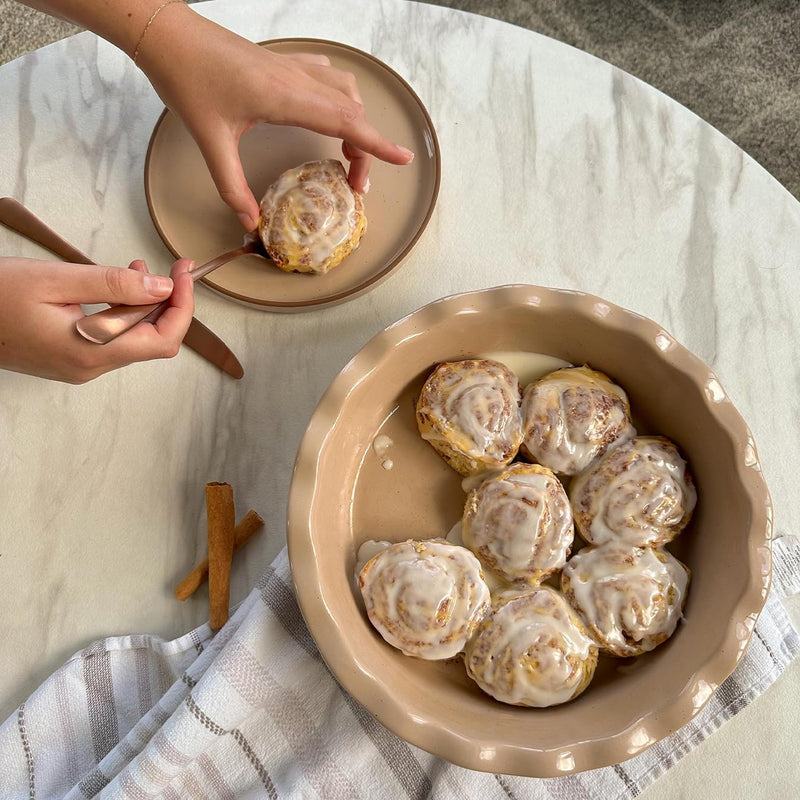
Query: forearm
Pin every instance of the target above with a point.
(121, 22)
(221, 85)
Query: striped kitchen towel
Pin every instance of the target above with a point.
(254, 712)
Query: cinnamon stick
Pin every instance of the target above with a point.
(245, 529)
(221, 523)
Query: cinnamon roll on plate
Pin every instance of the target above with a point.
(640, 493)
(571, 416)
(532, 650)
(425, 597)
(630, 598)
(311, 219)
(469, 412)
(519, 523)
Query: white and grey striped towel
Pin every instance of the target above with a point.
(254, 712)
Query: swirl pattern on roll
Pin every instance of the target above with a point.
(630, 599)
(571, 416)
(469, 411)
(425, 598)
(640, 493)
(532, 650)
(311, 219)
(519, 523)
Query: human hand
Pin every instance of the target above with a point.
(40, 304)
(222, 85)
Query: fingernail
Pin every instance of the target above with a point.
(408, 154)
(248, 222)
(367, 184)
(157, 284)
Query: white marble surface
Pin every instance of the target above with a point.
(557, 169)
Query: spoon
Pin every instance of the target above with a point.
(199, 338)
(104, 326)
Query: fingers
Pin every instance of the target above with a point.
(174, 322)
(359, 133)
(87, 283)
(335, 114)
(311, 58)
(220, 149)
(147, 341)
(327, 100)
(360, 162)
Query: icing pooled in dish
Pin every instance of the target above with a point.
(640, 494)
(630, 598)
(469, 412)
(425, 597)
(519, 523)
(532, 650)
(571, 417)
(311, 219)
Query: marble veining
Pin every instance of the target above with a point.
(557, 169)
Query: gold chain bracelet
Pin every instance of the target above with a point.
(149, 23)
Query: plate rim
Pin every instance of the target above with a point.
(531, 760)
(364, 285)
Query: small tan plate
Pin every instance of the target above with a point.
(193, 222)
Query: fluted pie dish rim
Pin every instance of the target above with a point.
(634, 705)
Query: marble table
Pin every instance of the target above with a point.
(558, 169)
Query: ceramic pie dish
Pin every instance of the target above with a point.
(342, 495)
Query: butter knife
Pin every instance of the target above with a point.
(199, 338)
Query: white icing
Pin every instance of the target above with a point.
(519, 523)
(368, 550)
(474, 406)
(631, 599)
(454, 535)
(494, 581)
(309, 212)
(472, 482)
(528, 367)
(381, 445)
(571, 416)
(639, 493)
(531, 651)
(425, 597)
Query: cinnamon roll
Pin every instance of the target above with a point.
(640, 493)
(425, 597)
(519, 523)
(469, 412)
(532, 650)
(571, 416)
(629, 598)
(311, 219)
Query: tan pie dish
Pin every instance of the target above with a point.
(342, 496)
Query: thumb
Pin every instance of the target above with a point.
(82, 283)
(221, 153)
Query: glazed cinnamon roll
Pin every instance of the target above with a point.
(571, 416)
(311, 219)
(629, 598)
(469, 412)
(519, 523)
(532, 650)
(425, 597)
(640, 493)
